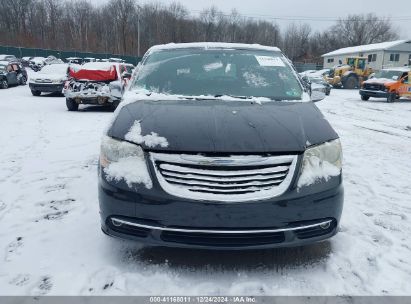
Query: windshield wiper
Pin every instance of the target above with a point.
(233, 96)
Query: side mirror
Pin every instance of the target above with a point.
(126, 75)
(317, 92)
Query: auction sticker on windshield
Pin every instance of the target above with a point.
(270, 61)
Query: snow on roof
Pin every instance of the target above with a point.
(99, 66)
(399, 69)
(213, 45)
(366, 48)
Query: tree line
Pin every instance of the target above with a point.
(113, 27)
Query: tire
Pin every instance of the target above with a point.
(71, 105)
(23, 81)
(4, 84)
(391, 97)
(35, 93)
(350, 83)
(115, 104)
(365, 97)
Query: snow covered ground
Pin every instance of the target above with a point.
(51, 243)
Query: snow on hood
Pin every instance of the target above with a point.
(53, 76)
(98, 66)
(218, 126)
(151, 140)
(379, 81)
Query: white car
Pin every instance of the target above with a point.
(50, 79)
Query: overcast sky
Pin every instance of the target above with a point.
(306, 9)
(302, 9)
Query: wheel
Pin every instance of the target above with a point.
(115, 104)
(391, 97)
(35, 93)
(365, 97)
(4, 84)
(350, 83)
(71, 104)
(23, 81)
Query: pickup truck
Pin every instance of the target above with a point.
(391, 84)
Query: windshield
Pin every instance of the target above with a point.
(388, 74)
(316, 80)
(219, 72)
(55, 69)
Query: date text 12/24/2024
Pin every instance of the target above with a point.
(203, 299)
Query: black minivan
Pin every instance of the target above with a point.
(220, 146)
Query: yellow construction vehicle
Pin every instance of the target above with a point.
(350, 75)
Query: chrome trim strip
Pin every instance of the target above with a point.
(118, 222)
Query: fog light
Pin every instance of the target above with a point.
(116, 223)
(325, 225)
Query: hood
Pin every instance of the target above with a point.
(51, 76)
(380, 81)
(226, 126)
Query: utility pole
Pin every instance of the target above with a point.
(138, 30)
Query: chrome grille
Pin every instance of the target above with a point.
(233, 179)
(374, 87)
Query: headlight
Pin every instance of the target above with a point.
(321, 162)
(121, 160)
(58, 80)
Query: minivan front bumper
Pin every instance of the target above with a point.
(153, 217)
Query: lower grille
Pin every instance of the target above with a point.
(374, 87)
(224, 240)
(236, 178)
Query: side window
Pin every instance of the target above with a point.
(15, 67)
(405, 80)
(372, 58)
(361, 64)
(394, 57)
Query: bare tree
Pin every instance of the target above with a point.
(363, 29)
(296, 41)
(112, 27)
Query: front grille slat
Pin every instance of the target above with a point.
(226, 185)
(244, 178)
(220, 179)
(201, 172)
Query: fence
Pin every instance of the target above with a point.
(33, 52)
(301, 67)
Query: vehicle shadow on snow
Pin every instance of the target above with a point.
(50, 95)
(91, 109)
(247, 260)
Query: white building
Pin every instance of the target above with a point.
(380, 55)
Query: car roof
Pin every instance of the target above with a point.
(399, 69)
(213, 45)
